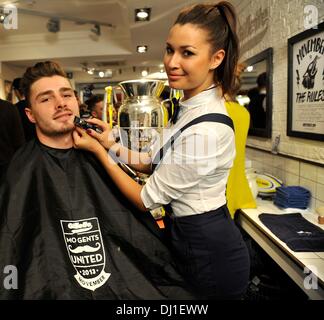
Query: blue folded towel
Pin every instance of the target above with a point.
(292, 197)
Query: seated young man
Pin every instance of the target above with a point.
(65, 227)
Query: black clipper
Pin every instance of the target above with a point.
(86, 125)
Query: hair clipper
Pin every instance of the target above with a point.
(86, 125)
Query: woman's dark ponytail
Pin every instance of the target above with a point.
(225, 73)
(220, 21)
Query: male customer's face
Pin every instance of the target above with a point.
(53, 106)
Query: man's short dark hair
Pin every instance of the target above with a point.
(16, 85)
(38, 71)
(91, 103)
(262, 80)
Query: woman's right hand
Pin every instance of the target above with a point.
(106, 138)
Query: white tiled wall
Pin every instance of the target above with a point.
(286, 20)
(291, 172)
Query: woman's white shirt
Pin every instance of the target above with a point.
(192, 175)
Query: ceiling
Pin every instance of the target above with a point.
(75, 45)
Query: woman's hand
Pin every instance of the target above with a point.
(82, 140)
(106, 138)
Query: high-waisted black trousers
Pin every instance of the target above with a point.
(211, 254)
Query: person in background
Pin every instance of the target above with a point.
(84, 112)
(11, 133)
(29, 128)
(257, 104)
(190, 177)
(95, 105)
(65, 227)
(238, 192)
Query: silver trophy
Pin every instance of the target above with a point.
(141, 116)
(141, 119)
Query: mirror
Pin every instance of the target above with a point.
(256, 93)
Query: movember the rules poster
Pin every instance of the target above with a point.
(307, 80)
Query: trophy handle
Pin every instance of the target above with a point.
(108, 106)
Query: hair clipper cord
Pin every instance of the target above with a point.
(85, 125)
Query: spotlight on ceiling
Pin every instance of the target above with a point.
(53, 25)
(3, 15)
(142, 14)
(144, 73)
(108, 73)
(141, 49)
(96, 29)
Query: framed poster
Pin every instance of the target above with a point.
(306, 84)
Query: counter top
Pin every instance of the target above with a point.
(296, 264)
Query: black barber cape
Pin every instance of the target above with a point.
(72, 235)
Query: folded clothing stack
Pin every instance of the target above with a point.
(292, 197)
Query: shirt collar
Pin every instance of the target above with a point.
(201, 98)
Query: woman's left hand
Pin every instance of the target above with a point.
(82, 140)
(106, 138)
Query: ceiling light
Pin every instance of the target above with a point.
(141, 49)
(142, 14)
(144, 73)
(3, 15)
(53, 25)
(101, 74)
(249, 69)
(108, 73)
(91, 70)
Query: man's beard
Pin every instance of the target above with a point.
(68, 128)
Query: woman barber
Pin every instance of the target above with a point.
(191, 174)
